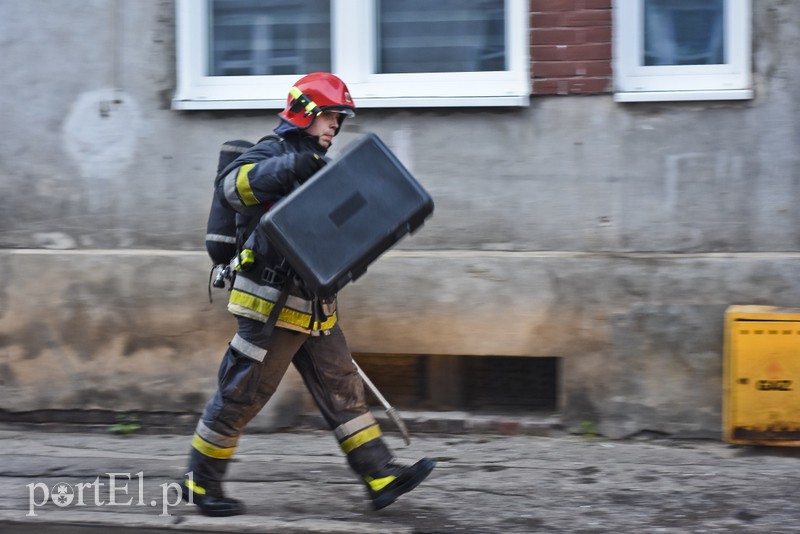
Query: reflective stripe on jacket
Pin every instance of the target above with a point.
(254, 300)
(256, 180)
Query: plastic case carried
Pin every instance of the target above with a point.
(335, 225)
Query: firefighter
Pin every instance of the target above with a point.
(305, 333)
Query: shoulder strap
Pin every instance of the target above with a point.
(227, 168)
(228, 152)
(275, 312)
(273, 137)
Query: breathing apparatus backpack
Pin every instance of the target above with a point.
(226, 230)
(221, 226)
(222, 239)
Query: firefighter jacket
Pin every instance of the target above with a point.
(259, 178)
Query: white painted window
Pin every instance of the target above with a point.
(237, 54)
(682, 50)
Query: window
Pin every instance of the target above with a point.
(682, 50)
(263, 38)
(237, 54)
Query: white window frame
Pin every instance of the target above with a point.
(634, 82)
(353, 49)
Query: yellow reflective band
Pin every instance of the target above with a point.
(287, 315)
(354, 425)
(327, 325)
(245, 260)
(378, 484)
(243, 185)
(357, 440)
(298, 94)
(195, 488)
(212, 451)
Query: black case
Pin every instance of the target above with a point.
(353, 210)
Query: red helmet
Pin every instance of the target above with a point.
(315, 93)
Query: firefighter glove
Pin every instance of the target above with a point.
(306, 164)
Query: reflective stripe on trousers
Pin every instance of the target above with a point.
(245, 385)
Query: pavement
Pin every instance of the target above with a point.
(505, 477)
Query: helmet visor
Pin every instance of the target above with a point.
(345, 112)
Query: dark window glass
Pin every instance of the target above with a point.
(441, 36)
(269, 37)
(684, 32)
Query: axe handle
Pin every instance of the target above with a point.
(390, 411)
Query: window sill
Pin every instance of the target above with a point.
(683, 96)
(391, 102)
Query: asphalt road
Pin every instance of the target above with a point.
(296, 482)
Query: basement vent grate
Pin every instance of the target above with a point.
(474, 383)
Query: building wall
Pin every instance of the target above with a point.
(610, 235)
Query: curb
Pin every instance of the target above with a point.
(545, 425)
(417, 422)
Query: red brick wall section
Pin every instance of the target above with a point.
(570, 46)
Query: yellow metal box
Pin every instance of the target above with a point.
(761, 399)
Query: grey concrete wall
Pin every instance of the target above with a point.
(610, 235)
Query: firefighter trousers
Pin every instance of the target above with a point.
(246, 384)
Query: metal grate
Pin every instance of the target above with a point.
(475, 383)
(510, 383)
(397, 376)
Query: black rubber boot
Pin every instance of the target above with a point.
(211, 503)
(385, 486)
